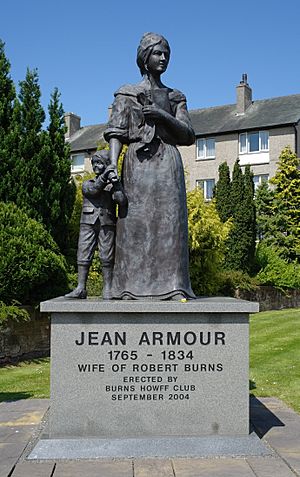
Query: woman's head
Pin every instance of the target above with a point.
(149, 42)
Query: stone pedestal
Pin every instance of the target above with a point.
(149, 369)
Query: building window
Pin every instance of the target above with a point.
(207, 185)
(257, 141)
(205, 148)
(77, 163)
(259, 179)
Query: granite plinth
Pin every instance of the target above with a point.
(219, 446)
(201, 305)
(149, 369)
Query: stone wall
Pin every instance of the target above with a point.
(28, 339)
(271, 298)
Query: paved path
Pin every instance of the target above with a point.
(275, 423)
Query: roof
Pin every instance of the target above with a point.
(261, 114)
(87, 137)
(264, 113)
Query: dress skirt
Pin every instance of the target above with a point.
(151, 255)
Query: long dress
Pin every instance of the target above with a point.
(151, 258)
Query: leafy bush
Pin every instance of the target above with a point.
(12, 312)
(31, 266)
(232, 280)
(275, 270)
(207, 235)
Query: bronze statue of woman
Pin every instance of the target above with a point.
(151, 258)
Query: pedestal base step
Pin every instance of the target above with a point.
(93, 448)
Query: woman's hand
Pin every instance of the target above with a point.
(152, 111)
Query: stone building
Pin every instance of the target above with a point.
(255, 132)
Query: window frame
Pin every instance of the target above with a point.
(260, 180)
(247, 142)
(204, 188)
(76, 168)
(205, 157)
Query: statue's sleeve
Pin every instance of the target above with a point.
(118, 125)
(183, 116)
(92, 188)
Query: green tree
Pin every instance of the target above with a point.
(263, 202)
(207, 235)
(284, 229)
(28, 149)
(223, 193)
(249, 221)
(38, 176)
(7, 97)
(7, 93)
(241, 241)
(59, 188)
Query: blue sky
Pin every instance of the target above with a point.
(88, 48)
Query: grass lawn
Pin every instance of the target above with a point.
(29, 379)
(275, 355)
(274, 362)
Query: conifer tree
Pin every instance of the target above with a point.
(60, 189)
(241, 240)
(7, 97)
(7, 92)
(263, 203)
(27, 187)
(284, 227)
(234, 256)
(249, 221)
(223, 192)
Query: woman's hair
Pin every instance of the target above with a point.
(147, 43)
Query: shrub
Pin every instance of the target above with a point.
(207, 235)
(31, 266)
(12, 312)
(232, 280)
(275, 270)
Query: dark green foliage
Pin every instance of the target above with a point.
(241, 241)
(249, 221)
(223, 193)
(7, 97)
(25, 185)
(31, 267)
(275, 270)
(35, 164)
(12, 312)
(263, 202)
(233, 280)
(59, 188)
(7, 93)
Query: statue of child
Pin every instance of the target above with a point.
(98, 223)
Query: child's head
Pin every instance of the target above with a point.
(100, 160)
(102, 155)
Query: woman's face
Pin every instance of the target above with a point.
(158, 60)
